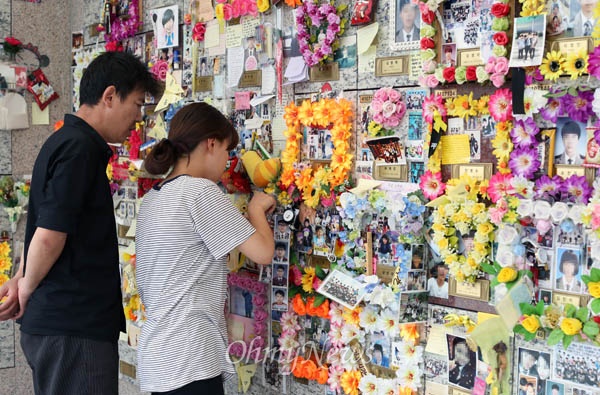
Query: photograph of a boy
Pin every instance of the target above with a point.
(379, 357)
(279, 299)
(280, 278)
(463, 362)
(280, 256)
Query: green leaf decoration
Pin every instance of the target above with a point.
(591, 329)
(497, 266)
(570, 310)
(489, 269)
(586, 279)
(582, 314)
(595, 274)
(293, 292)
(567, 340)
(555, 337)
(520, 329)
(526, 308)
(529, 336)
(539, 308)
(572, 91)
(595, 306)
(320, 272)
(319, 300)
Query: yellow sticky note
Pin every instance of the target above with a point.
(159, 131)
(40, 117)
(455, 149)
(365, 36)
(245, 374)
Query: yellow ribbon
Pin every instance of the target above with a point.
(173, 93)
(245, 374)
(460, 320)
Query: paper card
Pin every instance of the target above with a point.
(245, 374)
(436, 341)
(479, 387)
(242, 100)
(508, 307)
(365, 36)
(219, 49)
(268, 80)
(277, 128)
(258, 100)
(455, 149)
(236, 329)
(432, 388)
(219, 86)
(40, 117)
(173, 93)
(249, 26)
(366, 60)
(235, 65)
(234, 36)
(212, 36)
(159, 131)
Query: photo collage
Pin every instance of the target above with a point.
(277, 272)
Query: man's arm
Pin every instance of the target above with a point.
(44, 249)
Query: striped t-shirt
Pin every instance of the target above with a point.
(185, 229)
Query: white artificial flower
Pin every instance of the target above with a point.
(382, 296)
(350, 332)
(411, 354)
(505, 256)
(409, 375)
(536, 98)
(542, 209)
(369, 385)
(369, 318)
(336, 312)
(388, 387)
(576, 213)
(596, 103)
(388, 323)
(506, 235)
(559, 211)
(525, 208)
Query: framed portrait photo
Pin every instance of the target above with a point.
(568, 270)
(405, 25)
(342, 288)
(570, 143)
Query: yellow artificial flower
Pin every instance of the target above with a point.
(263, 5)
(409, 332)
(485, 228)
(109, 171)
(443, 244)
(576, 64)
(352, 316)
(3, 279)
(306, 113)
(570, 326)
(594, 288)
(531, 323)
(503, 148)
(552, 65)
(482, 105)
(307, 279)
(219, 12)
(471, 262)
(507, 275)
(284, 199)
(511, 217)
(350, 381)
(439, 227)
(4, 248)
(5, 264)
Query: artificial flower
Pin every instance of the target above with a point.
(263, 5)
(576, 64)
(594, 62)
(524, 162)
(500, 38)
(524, 132)
(523, 188)
(12, 45)
(500, 24)
(500, 105)
(431, 184)
(534, 100)
(350, 382)
(433, 106)
(471, 73)
(594, 289)
(500, 10)
(552, 65)
(198, 31)
(531, 323)
(570, 326)
(578, 107)
(369, 385)
(500, 186)
(449, 74)
(482, 75)
(507, 275)
(352, 317)
(552, 110)
(578, 189)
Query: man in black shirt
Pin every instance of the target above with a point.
(67, 293)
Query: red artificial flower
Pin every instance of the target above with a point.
(427, 43)
(113, 46)
(500, 10)
(500, 38)
(198, 32)
(596, 319)
(471, 73)
(448, 74)
(187, 19)
(428, 17)
(13, 41)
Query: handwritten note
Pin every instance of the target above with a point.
(234, 36)
(235, 65)
(436, 342)
(415, 66)
(268, 80)
(277, 128)
(212, 35)
(455, 149)
(249, 26)
(219, 49)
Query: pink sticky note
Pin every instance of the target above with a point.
(242, 100)
(479, 387)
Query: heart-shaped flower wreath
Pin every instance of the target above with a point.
(317, 43)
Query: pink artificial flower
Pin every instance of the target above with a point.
(500, 105)
(429, 81)
(594, 63)
(500, 186)
(227, 12)
(543, 226)
(501, 66)
(497, 214)
(431, 184)
(316, 282)
(432, 105)
(393, 95)
(259, 300)
(236, 8)
(389, 108)
(497, 79)
(595, 216)
(160, 69)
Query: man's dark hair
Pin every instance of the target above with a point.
(279, 292)
(571, 128)
(119, 69)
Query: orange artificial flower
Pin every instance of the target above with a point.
(306, 113)
(322, 375)
(299, 305)
(293, 3)
(291, 115)
(310, 306)
(352, 316)
(296, 366)
(323, 310)
(310, 369)
(350, 381)
(409, 331)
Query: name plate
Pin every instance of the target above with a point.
(359, 357)
(365, 99)
(390, 171)
(562, 299)
(477, 171)
(250, 78)
(566, 171)
(203, 84)
(325, 72)
(568, 46)
(393, 65)
(469, 57)
(446, 93)
(480, 290)
(386, 273)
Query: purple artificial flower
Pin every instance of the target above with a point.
(597, 131)
(524, 162)
(533, 74)
(552, 110)
(578, 190)
(524, 132)
(594, 63)
(578, 108)
(547, 187)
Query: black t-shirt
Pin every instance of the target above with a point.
(81, 294)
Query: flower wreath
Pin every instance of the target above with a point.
(121, 28)
(240, 348)
(496, 67)
(316, 48)
(317, 185)
(387, 109)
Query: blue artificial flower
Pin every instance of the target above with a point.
(519, 250)
(567, 226)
